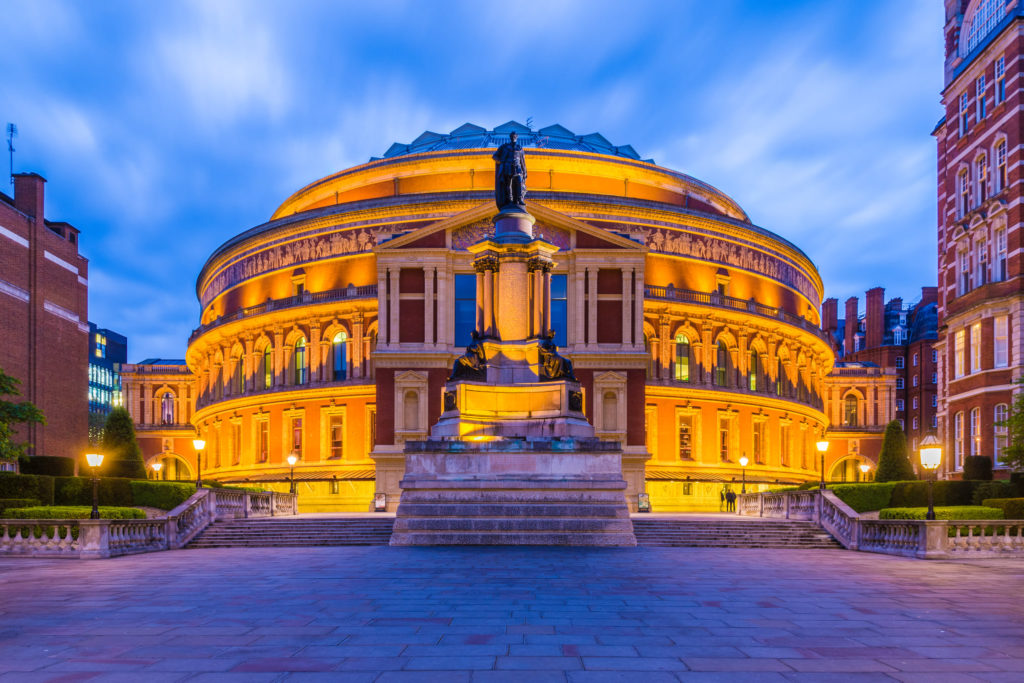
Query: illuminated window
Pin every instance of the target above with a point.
(560, 307)
(339, 353)
(682, 368)
(465, 308)
(981, 173)
(958, 441)
(1000, 166)
(915, 403)
(686, 437)
(963, 192)
(167, 408)
(267, 369)
(899, 382)
(986, 15)
(979, 97)
(296, 436)
(963, 114)
(976, 347)
(1000, 79)
(721, 364)
(850, 411)
(758, 441)
(899, 404)
(754, 370)
(785, 444)
(724, 437)
(1001, 342)
(1001, 431)
(959, 342)
(1000, 266)
(299, 361)
(976, 431)
(236, 443)
(899, 362)
(262, 440)
(336, 433)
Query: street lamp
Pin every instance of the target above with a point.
(157, 466)
(822, 447)
(743, 468)
(931, 456)
(199, 445)
(864, 469)
(95, 460)
(292, 459)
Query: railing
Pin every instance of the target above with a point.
(717, 300)
(100, 538)
(941, 539)
(304, 299)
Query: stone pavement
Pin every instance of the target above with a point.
(511, 614)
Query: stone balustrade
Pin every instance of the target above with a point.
(939, 539)
(101, 538)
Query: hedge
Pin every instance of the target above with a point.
(74, 512)
(11, 503)
(27, 486)
(159, 494)
(1013, 508)
(978, 468)
(865, 497)
(951, 512)
(78, 491)
(995, 489)
(50, 465)
(909, 494)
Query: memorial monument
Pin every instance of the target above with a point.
(513, 460)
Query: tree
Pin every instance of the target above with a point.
(1013, 454)
(893, 462)
(11, 414)
(120, 447)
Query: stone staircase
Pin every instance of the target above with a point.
(551, 516)
(731, 533)
(284, 532)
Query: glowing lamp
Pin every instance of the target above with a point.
(199, 444)
(744, 461)
(864, 467)
(292, 459)
(822, 446)
(157, 466)
(94, 459)
(931, 453)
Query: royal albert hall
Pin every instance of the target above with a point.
(329, 331)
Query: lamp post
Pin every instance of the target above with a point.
(864, 469)
(292, 459)
(95, 460)
(931, 456)
(157, 466)
(822, 447)
(743, 469)
(199, 445)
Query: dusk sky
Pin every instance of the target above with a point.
(166, 128)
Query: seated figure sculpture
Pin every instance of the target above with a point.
(552, 365)
(471, 365)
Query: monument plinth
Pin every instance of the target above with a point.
(513, 459)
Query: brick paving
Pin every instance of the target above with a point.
(511, 614)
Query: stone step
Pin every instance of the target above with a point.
(609, 511)
(516, 538)
(512, 524)
(512, 496)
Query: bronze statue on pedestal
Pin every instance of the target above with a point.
(471, 365)
(509, 173)
(552, 365)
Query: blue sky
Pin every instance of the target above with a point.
(166, 128)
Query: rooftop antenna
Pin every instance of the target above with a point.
(529, 122)
(12, 131)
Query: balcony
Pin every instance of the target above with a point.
(785, 392)
(304, 299)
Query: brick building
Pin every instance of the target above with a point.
(43, 314)
(980, 302)
(160, 396)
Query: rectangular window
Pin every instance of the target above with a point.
(915, 380)
(914, 423)
(899, 382)
(981, 276)
(686, 437)
(915, 360)
(975, 347)
(1001, 341)
(1000, 94)
(1001, 432)
(759, 441)
(979, 96)
(560, 308)
(295, 443)
(465, 309)
(724, 424)
(982, 176)
(963, 114)
(336, 434)
(899, 362)
(899, 404)
(959, 342)
(958, 441)
(1000, 267)
(935, 401)
(236, 443)
(935, 378)
(914, 403)
(263, 440)
(1000, 166)
(963, 194)
(965, 273)
(935, 356)
(935, 421)
(976, 431)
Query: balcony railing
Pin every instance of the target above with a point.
(717, 300)
(304, 299)
(786, 391)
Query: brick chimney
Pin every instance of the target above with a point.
(830, 314)
(28, 194)
(929, 295)
(849, 332)
(874, 318)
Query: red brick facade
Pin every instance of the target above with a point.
(43, 318)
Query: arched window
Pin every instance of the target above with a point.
(1000, 179)
(267, 369)
(981, 172)
(411, 404)
(963, 192)
(721, 364)
(850, 411)
(339, 356)
(980, 22)
(682, 371)
(610, 411)
(1001, 432)
(754, 371)
(958, 441)
(299, 361)
(976, 431)
(167, 408)
(238, 379)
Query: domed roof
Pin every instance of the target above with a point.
(470, 136)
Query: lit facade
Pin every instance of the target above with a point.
(160, 396)
(329, 331)
(108, 351)
(980, 305)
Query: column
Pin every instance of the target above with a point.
(249, 368)
(592, 305)
(393, 308)
(147, 408)
(315, 361)
(489, 302)
(638, 306)
(445, 306)
(428, 306)
(479, 300)
(627, 306)
(278, 356)
(666, 351)
(545, 317)
(578, 304)
(356, 347)
(536, 301)
(382, 305)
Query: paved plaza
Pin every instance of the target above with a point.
(511, 614)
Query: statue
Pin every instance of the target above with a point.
(509, 173)
(552, 365)
(471, 365)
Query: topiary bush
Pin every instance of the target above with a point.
(893, 462)
(123, 455)
(35, 486)
(993, 489)
(164, 495)
(74, 512)
(1013, 508)
(50, 465)
(865, 497)
(947, 493)
(78, 491)
(11, 503)
(952, 512)
(978, 468)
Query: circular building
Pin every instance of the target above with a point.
(328, 332)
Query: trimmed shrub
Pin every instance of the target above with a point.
(866, 497)
(11, 503)
(893, 462)
(978, 468)
(121, 447)
(164, 495)
(993, 489)
(74, 512)
(50, 465)
(78, 491)
(909, 494)
(1013, 508)
(35, 486)
(954, 512)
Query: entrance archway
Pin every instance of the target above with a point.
(175, 468)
